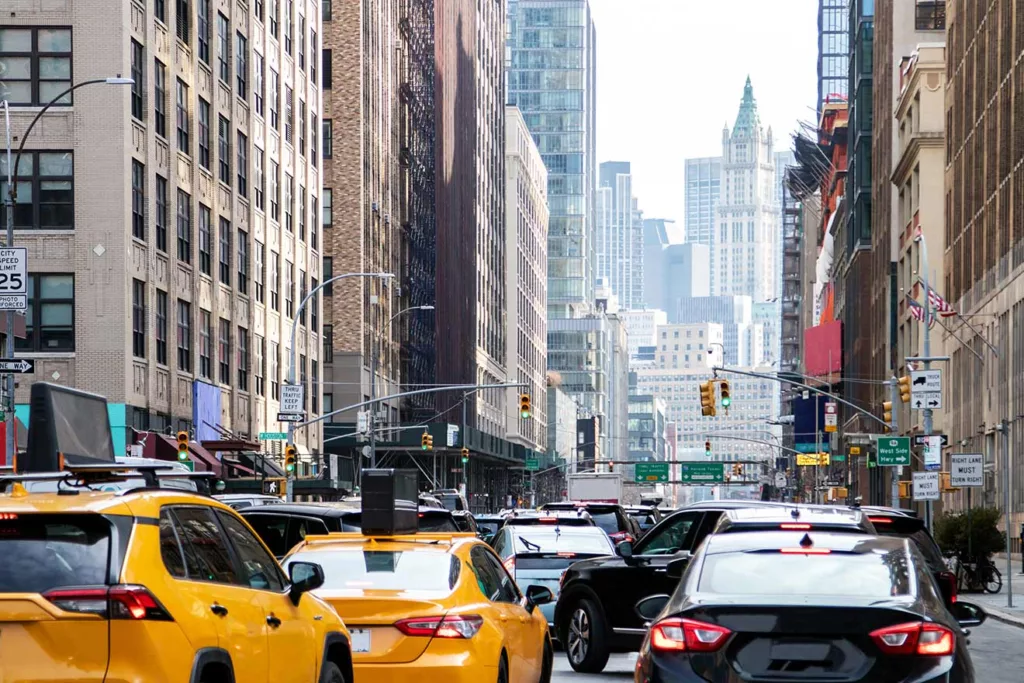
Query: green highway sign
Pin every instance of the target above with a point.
(893, 451)
(532, 464)
(273, 436)
(838, 458)
(702, 472)
(650, 472)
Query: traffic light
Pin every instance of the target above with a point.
(904, 489)
(426, 441)
(887, 414)
(707, 448)
(737, 469)
(465, 456)
(726, 400)
(707, 399)
(290, 454)
(904, 384)
(183, 446)
(524, 406)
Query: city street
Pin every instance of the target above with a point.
(995, 648)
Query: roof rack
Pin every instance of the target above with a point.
(106, 473)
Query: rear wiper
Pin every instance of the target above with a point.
(528, 544)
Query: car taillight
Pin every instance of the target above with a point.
(441, 627)
(880, 520)
(916, 637)
(687, 635)
(949, 579)
(805, 551)
(795, 527)
(116, 602)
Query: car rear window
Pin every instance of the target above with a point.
(560, 521)
(41, 552)
(437, 522)
(924, 542)
(607, 521)
(871, 575)
(420, 570)
(535, 540)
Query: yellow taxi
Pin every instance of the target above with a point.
(153, 585)
(431, 607)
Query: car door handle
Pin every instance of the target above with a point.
(273, 621)
(219, 610)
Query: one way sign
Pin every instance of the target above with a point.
(18, 365)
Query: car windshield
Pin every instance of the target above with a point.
(540, 540)
(40, 552)
(419, 570)
(878, 574)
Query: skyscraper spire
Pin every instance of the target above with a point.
(747, 119)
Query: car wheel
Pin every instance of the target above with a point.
(548, 662)
(586, 643)
(503, 669)
(331, 674)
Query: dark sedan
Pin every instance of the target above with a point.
(793, 605)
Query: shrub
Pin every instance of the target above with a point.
(951, 533)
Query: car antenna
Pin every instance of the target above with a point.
(806, 541)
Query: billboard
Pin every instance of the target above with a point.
(823, 349)
(205, 411)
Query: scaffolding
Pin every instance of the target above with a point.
(419, 228)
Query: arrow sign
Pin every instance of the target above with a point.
(18, 365)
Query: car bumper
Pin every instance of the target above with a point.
(447, 668)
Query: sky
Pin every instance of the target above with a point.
(670, 74)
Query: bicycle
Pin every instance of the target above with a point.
(977, 576)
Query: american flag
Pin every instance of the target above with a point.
(917, 310)
(940, 304)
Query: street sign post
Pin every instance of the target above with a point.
(532, 464)
(273, 436)
(702, 472)
(291, 399)
(966, 469)
(831, 416)
(13, 279)
(926, 486)
(17, 365)
(647, 472)
(933, 453)
(894, 451)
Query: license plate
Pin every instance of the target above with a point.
(360, 641)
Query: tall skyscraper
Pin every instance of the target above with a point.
(746, 219)
(833, 49)
(656, 238)
(687, 275)
(170, 225)
(619, 230)
(552, 79)
(703, 187)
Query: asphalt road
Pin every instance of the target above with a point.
(995, 648)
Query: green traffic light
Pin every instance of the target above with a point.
(182, 456)
(525, 414)
(465, 461)
(726, 401)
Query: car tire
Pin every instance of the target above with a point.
(503, 668)
(331, 673)
(548, 663)
(586, 641)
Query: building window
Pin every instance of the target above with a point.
(184, 14)
(326, 69)
(312, 141)
(275, 191)
(184, 336)
(313, 232)
(225, 251)
(273, 15)
(302, 296)
(259, 167)
(314, 306)
(138, 319)
(203, 29)
(275, 371)
(304, 381)
(161, 213)
(224, 150)
(258, 83)
(138, 200)
(241, 65)
(139, 76)
(312, 56)
(260, 365)
(224, 351)
(327, 219)
(289, 115)
(302, 43)
(275, 100)
(182, 109)
(37, 65)
(328, 138)
(243, 359)
(260, 270)
(258, 9)
(242, 150)
(223, 50)
(161, 327)
(204, 133)
(328, 404)
(184, 227)
(45, 191)
(288, 11)
(160, 10)
(205, 344)
(328, 343)
(205, 246)
(243, 262)
(289, 289)
(275, 280)
(289, 188)
(160, 98)
(930, 16)
(328, 273)
(314, 370)
(302, 128)
(302, 213)
(325, 10)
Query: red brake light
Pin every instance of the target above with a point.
(687, 635)
(548, 520)
(8, 516)
(879, 520)
(805, 551)
(949, 578)
(567, 554)
(795, 527)
(933, 640)
(441, 627)
(117, 602)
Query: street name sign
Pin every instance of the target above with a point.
(966, 469)
(702, 472)
(650, 472)
(291, 417)
(13, 279)
(17, 365)
(291, 398)
(893, 451)
(926, 486)
(273, 436)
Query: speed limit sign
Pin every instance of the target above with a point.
(13, 279)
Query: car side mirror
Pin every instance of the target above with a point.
(304, 577)
(625, 550)
(538, 595)
(675, 568)
(650, 607)
(968, 614)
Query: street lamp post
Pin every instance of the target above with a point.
(290, 489)
(12, 195)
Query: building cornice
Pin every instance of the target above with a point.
(918, 142)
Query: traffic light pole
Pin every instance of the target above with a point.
(923, 268)
(894, 396)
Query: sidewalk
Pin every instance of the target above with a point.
(995, 605)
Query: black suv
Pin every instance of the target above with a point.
(646, 516)
(611, 517)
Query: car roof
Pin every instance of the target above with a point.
(796, 513)
(355, 541)
(747, 541)
(326, 509)
(128, 502)
(572, 505)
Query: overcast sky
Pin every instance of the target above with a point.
(670, 73)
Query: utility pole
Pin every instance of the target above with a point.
(373, 387)
(923, 261)
(10, 422)
(1004, 427)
